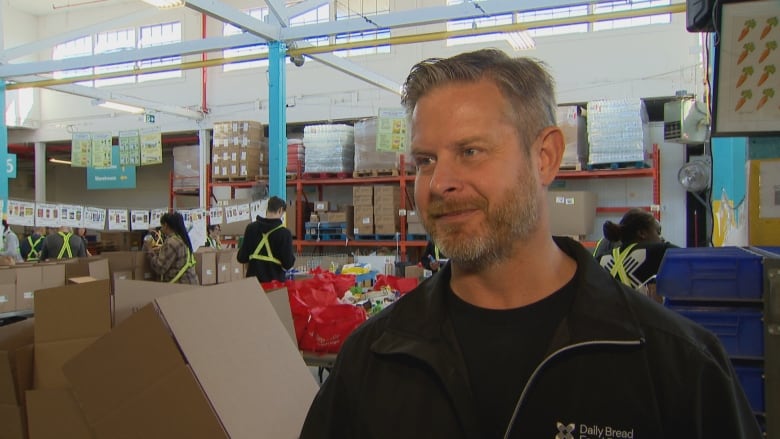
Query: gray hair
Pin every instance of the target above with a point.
(525, 83)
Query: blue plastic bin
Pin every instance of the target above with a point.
(720, 273)
(752, 380)
(741, 331)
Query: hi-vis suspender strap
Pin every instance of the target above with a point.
(265, 245)
(595, 249)
(213, 243)
(618, 268)
(157, 238)
(187, 265)
(436, 252)
(34, 254)
(65, 244)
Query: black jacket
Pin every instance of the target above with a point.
(618, 363)
(281, 247)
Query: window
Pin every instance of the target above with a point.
(116, 41)
(615, 6)
(319, 15)
(555, 13)
(348, 9)
(158, 35)
(229, 29)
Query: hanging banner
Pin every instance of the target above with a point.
(113, 176)
(71, 215)
(258, 208)
(95, 218)
(391, 132)
(195, 221)
(129, 148)
(139, 219)
(236, 213)
(21, 213)
(154, 217)
(118, 219)
(46, 215)
(151, 147)
(80, 147)
(101, 150)
(216, 215)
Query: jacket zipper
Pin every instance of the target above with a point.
(549, 358)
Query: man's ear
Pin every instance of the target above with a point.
(550, 149)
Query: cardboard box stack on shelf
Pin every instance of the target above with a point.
(367, 157)
(186, 168)
(363, 202)
(572, 213)
(240, 151)
(387, 202)
(573, 122)
(414, 227)
(329, 148)
(618, 131)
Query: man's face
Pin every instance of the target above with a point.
(476, 189)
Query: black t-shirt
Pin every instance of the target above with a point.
(502, 348)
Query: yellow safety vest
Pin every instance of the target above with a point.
(265, 245)
(213, 243)
(187, 265)
(436, 252)
(65, 244)
(34, 254)
(618, 268)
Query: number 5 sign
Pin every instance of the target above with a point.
(10, 166)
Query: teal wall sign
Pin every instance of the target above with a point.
(113, 177)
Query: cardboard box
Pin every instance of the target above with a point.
(573, 124)
(321, 206)
(7, 290)
(142, 270)
(54, 414)
(13, 422)
(206, 259)
(28, 280)
(237, 269)
(132, 295)
(571, 212)
(16, 361)
(225, 259)
(163, 372)
(96, 267)
(52, 275)
(67, 319)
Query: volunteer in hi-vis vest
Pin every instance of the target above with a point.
(174, 260)
(267, 247)
(63, 244)
(638, 249)
(212, 240)
(32, 245)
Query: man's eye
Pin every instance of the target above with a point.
(468, 152)
(421, 161)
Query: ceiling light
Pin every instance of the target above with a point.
(117, 106)
(521, 40)
(165, 4)
(61, 162)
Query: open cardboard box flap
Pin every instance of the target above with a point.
(243, 360)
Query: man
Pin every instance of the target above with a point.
(520, 335)
(10, 243)
(63, 245)
(32, 245)
(267, 246)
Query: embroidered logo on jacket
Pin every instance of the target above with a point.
(564, 431)
(591, 431)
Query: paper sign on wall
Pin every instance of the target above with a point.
(118, 219)
(139, 219)
(21, 213)
(47, 215)
(71, 215)
(216, 215)
(101, 150)
(155, 215)
(129, 148)
(80, 148)
(151, 147)
(94, 218)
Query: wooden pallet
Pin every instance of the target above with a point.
(375, 173)
(323, 175)
(237, 179)
(618, 165)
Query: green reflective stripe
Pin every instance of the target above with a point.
(65, 244)
(436, 252)
(34, 254)
(266, 245)
(618, 268)
(213, 243)
(598, 243)
(187, 265)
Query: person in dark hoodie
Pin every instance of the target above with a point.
(267, 247)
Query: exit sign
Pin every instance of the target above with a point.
(149, 118)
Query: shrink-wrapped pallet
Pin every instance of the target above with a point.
(329, 148)
(618, 131)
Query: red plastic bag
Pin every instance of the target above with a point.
(401, 284)
(329, 326)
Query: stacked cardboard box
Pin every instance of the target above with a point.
(363, 202)
(366, 155)
(413, 224)
(572, 121)
(240, 150)
(16, 359)
(296, 155)
(387, 200)
(186, 167)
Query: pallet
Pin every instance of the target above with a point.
(577, 167)
(375, 173)
(323, 175)
(326, 237)
(416, 237)
(237, 179)
(618, 165)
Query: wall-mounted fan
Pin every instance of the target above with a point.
(695, 176)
